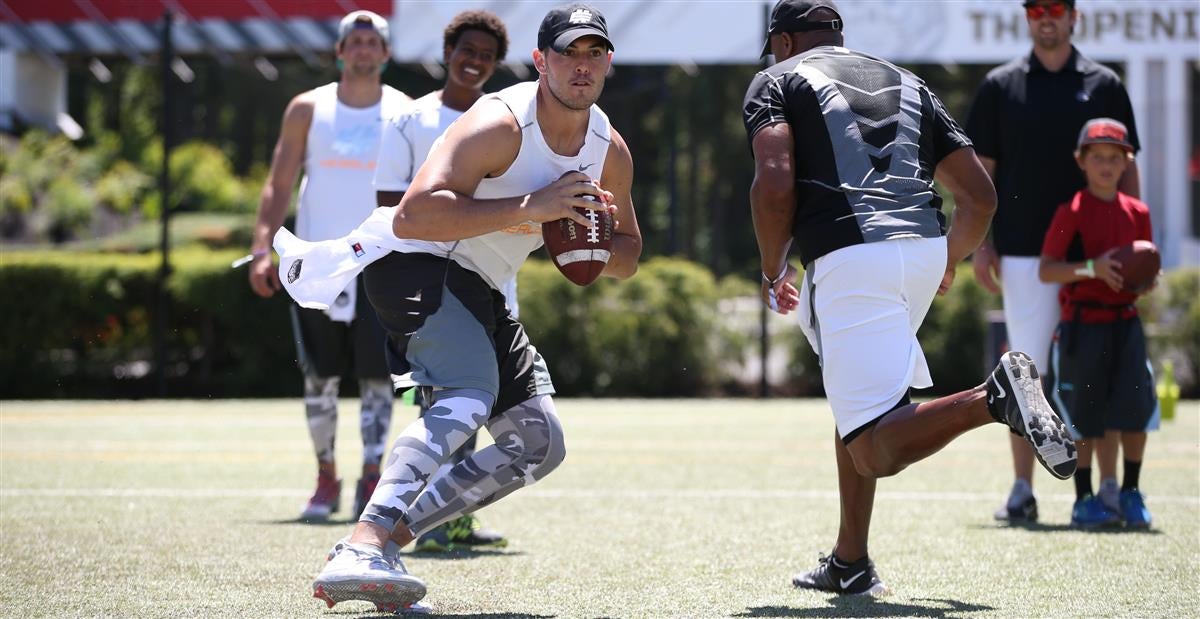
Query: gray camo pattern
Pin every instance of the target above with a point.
(375, 416)
(528, 445)
(320, 407)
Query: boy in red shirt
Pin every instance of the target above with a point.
(1099, 378)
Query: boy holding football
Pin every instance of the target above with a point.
(1099, 378)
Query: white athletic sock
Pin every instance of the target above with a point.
(1110, 492)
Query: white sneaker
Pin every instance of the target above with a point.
(391, 552)
(360, 572)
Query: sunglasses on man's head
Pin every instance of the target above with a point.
(1053, 10)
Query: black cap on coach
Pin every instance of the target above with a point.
(563, 25)
(792, 16)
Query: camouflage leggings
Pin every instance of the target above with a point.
(528, 446)
(320, 407)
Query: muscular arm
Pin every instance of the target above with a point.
(439, 206)
(618, 180)
(989, 166)
(773, 196)
(974, 205)
(277, 191)
(773, 208)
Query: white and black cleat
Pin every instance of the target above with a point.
(360, 573)
(1015, 398)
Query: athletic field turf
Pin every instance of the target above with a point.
(685, 508)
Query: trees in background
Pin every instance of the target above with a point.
(683, 125)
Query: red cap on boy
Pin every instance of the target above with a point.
(1105, 131)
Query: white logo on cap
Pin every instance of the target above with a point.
(581, 16)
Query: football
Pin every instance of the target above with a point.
(1140, 264)
(580, 253)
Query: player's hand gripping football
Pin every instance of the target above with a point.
(1108, 270)
(559, 199)
(781, 294)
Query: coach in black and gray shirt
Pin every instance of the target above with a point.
(846, 148)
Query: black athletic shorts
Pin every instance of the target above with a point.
(326, 347)
(1099, 378)
(447, 328)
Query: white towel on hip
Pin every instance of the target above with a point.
(316, 273)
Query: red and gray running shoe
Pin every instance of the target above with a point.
(325, 500)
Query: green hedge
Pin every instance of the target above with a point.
(84, 327)
(79, 325)
(647, 336)
(89, 328)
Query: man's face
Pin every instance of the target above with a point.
(472, 61)
(576, 76)
(1103, 164)
(1050, 23)
(362, 53)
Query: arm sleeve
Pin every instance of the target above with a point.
(983, 121)
(394, 167)
(948, 136)
(763, 105)
(1058, 236)
(1120, 108)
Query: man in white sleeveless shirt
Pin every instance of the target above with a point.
(334, 131)
(465, 225)
(473, 44)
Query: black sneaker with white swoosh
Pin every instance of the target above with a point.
(1015, 398)
(831, 574)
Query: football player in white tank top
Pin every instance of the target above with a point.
(333, 133)
(484, 153)
(473, 44)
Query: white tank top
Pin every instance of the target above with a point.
(497, 256)
(339, 163)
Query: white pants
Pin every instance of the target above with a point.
(860, 308)
(1031, 308)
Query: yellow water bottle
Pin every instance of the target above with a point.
(1168, 391)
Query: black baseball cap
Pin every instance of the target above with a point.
(1029, 3)
(792, 16)
(563, 25)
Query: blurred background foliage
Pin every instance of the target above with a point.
(683, 125)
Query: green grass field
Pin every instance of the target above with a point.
(675, 508)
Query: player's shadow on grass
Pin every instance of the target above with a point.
(311, 523)
(859, 606)
(462, 554)
(1062, 526)
(361, 615)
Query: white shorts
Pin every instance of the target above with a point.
(1031, 308)
(869, 300)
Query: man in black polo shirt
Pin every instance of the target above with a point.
(846, 148)
(1024, 123)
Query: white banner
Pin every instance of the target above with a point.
(731, 31)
